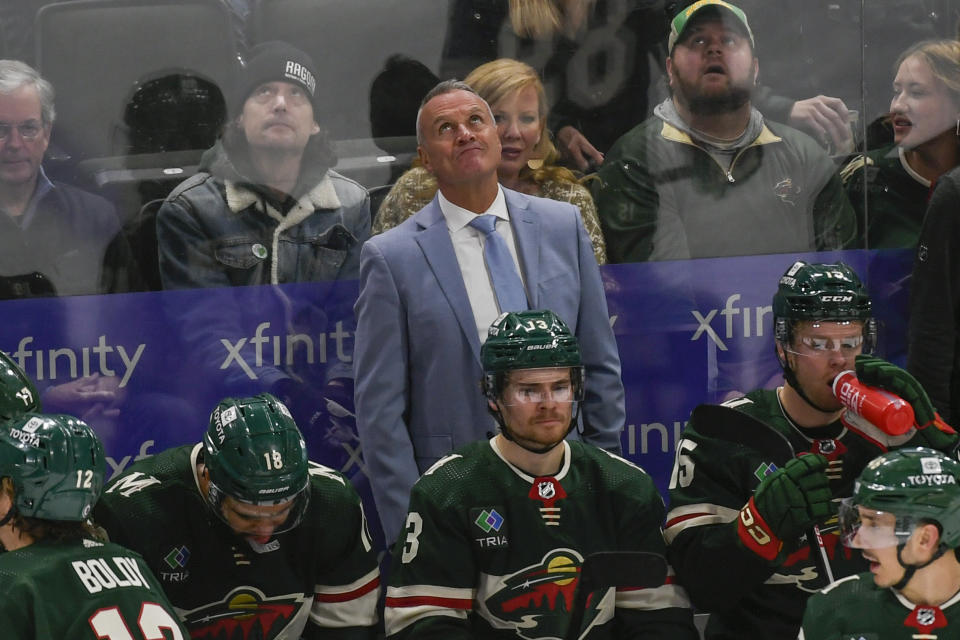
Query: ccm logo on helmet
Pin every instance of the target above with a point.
(836, 298)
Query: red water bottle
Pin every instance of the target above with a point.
(889, 412)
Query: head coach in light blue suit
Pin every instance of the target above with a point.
(426, 300)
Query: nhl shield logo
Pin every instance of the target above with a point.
(546, 489)
(926, 617)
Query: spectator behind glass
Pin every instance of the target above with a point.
(527, 159)
(595, 57)
(395, 96)
(707, 176)
(934, 338)
(266, 208)
(896, 179)
(268, 178)
(54, 239)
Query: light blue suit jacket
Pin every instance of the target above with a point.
(417, 354)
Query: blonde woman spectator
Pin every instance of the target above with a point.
(515, 94)
(897, 179)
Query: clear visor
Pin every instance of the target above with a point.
(822, 346)
(866, 528)
(561, 392)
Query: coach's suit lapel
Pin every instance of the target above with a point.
(526, 231)
(434, 241)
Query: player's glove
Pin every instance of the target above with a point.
(786, 504)
(880, 373)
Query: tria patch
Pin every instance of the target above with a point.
(176, 559)
(492, 526)
(489, 520)
(765, 469)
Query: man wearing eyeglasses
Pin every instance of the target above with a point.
(54, 239)
(497, 531)
(752, 506)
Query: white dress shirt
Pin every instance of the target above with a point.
(468, 246)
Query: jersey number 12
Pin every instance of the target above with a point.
(110, 625)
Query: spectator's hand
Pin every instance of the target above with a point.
(313, 407)
(574, 146)
(88, 398)
(880, 373)
(826, 119)
(787, 503)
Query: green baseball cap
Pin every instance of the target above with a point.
(682, 19)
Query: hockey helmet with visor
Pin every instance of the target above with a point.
(255, 454)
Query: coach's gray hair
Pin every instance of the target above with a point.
(447, 86)
(15, 74)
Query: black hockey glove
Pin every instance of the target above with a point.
(787, 503)
(880, 373)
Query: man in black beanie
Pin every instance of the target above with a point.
(266, 208)
(268, 183)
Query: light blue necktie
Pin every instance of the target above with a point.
(503, 272)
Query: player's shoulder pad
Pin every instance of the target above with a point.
(160, 472)
(454, 473)
(858, 590)
(330, 482)
(616, 473)
(842, 584)
(606, 459)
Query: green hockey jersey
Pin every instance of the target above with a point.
(82, 590)
(713, 479)
(489, 551)
(896, 197)
(321, 574)
(856, 609)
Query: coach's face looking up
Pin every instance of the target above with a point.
(459, 144)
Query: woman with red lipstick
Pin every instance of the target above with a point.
(527, 162)
(889, 187)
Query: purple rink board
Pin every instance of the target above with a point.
(688, 332)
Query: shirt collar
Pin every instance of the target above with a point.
(457, 217)
(44, 186)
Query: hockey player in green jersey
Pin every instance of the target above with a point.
(58, 578)
(497, 531)
(740, 527)
(904, 517)
(18, 395)
(249, 539)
